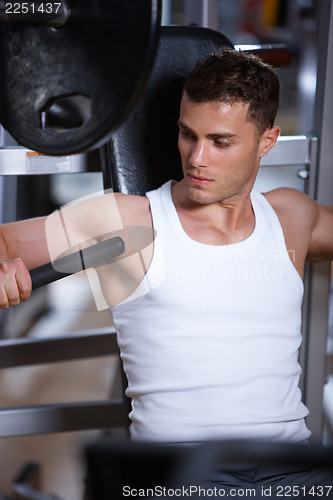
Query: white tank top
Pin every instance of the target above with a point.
(210, 339)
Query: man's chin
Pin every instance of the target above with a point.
(199, 194)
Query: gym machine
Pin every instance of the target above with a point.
(44, 126)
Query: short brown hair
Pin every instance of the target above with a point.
(233, 76)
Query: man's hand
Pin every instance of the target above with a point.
(15, 283)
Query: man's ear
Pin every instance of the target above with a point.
(268, 140)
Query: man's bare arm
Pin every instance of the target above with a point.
(31, 243)
(321, 243)
(26, 240)
(307, 226)
(22, 246)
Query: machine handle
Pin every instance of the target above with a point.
(95, 255)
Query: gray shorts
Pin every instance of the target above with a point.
(268, 482)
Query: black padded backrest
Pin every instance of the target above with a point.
(143, 153)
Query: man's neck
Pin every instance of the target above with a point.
(220, 223)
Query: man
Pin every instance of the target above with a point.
(210, 332)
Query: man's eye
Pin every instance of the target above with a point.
(222, 144)
(186, 135)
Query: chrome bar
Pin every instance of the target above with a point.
(65, 417)
(30, 351)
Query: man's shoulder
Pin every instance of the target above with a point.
(293, 207)
(289, 199)
(133, 208)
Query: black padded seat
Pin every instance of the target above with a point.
(143, 152)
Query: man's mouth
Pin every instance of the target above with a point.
(199, 180)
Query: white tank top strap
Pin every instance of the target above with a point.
(260, 204)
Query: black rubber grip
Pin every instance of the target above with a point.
(95, 255)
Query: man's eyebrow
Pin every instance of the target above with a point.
(222, 135)
(214, 136)
(184, 127)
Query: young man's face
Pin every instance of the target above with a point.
(219, 148)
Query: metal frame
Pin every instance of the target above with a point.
(203, 13)
(15, 160)
(32, 351)
(66, 417)
(291, 150)
(62, 417)
(320, 187)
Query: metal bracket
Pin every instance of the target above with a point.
(21, 161)
(291, 150)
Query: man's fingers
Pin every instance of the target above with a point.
(15, 283)
(4, 303)
(23, 280)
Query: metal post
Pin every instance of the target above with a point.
(166, 12)
(203, 13)
(320, 187)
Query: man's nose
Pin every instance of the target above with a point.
(200, 155)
